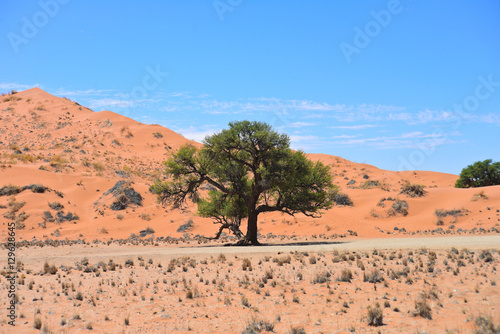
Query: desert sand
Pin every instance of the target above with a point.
(59, 162)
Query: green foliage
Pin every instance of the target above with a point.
(479, 174)
(252, 170)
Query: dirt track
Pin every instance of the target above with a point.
(68, 255)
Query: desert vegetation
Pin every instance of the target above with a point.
(298, 291)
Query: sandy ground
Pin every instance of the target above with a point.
(432, 285)
(67, 255)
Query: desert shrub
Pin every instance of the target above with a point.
(61, 217)
(120, 203)
(124, 195)
(56, 206)
(297, 330)
(57, 161)
(413, 190)
(398, 207)
(282, 260)
(322, 277)
(157, 135)
(257, 326)
(37, 324)
(479, 195)
(186, 226)
(147, 231)
(145, 216)
(98, 166)
(345, 276)
(342, 199)
(381, 203)
(10, 190)
(485, 325)
(246, 265)
(370, 184)
(244, 301)
(422, 308)
(373, 277)
(47, 216)
(444, 213)
(486, 256)
(375, 316)
(479, 174)
(36, 188)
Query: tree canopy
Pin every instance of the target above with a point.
(479, 174)
(243, 171)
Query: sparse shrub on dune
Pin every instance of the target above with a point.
(478, 196)
(413, 190)
(186, 226)
(124, 194)
(61, 217)
(342, 199)
(56, 206)
(10, 190)
(398, 207)
(454, 213)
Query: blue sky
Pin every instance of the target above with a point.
(396, 84)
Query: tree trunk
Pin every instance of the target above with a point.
(251, 237)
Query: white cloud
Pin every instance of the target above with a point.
(110, 103)
(354, 127)
(343, 137)
(196, 134)
(406, 140)
(299, 124)
(88, 92)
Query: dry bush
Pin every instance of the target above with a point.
(479, 195)
(282, 260)
(485, 325)
(297, 330)
(375, 316)
(342, 199)
(345, 276)
(373, 277)
(413, 190)
(246, 265)
(398, 207)
(37, 324)
(322, 277)
(422, 308)
(454, 213)
(257, 326)
(244, 301)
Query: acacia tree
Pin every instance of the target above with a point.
(248, 169)
(479, 174)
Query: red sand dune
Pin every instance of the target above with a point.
(66, 147)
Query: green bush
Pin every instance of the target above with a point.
(479, 174)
